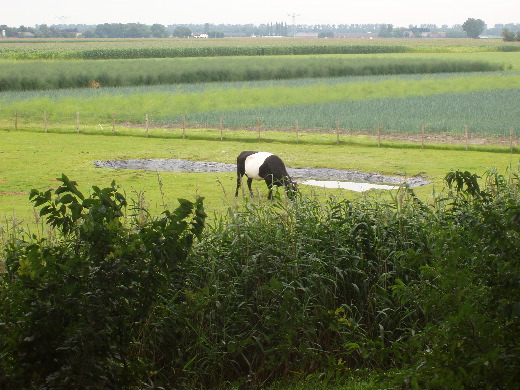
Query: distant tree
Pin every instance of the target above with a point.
(181, 32)
(9, 31)
(90, 33)
(474, 27)
(507, 35)
(385, 31)
(159, 31)
(112, 30)
(216, 34)
(137, 30)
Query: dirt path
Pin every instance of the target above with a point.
(178, 165)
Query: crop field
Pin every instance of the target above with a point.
(446, 86)
(75, 48)
(401, 85)
(485, 103)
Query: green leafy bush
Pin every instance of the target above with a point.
(73, 306)
(470, 292)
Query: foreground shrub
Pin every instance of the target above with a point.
(72, 307)
(470, 289)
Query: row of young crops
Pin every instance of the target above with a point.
(484, 103)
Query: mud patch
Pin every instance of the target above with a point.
(299, 174)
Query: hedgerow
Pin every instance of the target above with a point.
(427, 295)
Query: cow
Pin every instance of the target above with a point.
(264, 166)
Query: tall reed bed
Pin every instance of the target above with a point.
(326, 291)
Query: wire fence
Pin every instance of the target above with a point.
(257, 129)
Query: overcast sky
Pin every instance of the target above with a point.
(29, 13)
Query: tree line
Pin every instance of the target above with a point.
(510, 32)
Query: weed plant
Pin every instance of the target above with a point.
(320, 290)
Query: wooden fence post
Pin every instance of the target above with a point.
(147, 125)
(297, 132)
(422, 136)
(77, 121)
(337, 132)
(45, 120)
(221, 128)
(183, 126)
(379, 134)
(113, 124)
(466, 136)
(16, 120)
(511, 132)
(258, 128)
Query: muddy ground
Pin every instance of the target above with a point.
(299, 174)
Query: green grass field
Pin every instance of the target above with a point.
(34, 160)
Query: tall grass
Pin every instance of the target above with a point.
(47, 75)
(321, 290)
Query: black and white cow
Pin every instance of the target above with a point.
(264, 166)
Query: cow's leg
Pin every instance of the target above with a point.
(270, 182)
(239, 183)
(249, 182)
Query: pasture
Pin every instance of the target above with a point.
(50, 154)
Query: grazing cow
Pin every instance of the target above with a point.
(264, 166)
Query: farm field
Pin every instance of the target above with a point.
(319, 107)
(214, 91)
(49, 155)
(34, 48)
(381, 289)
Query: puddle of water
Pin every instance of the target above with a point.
(348, 185)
